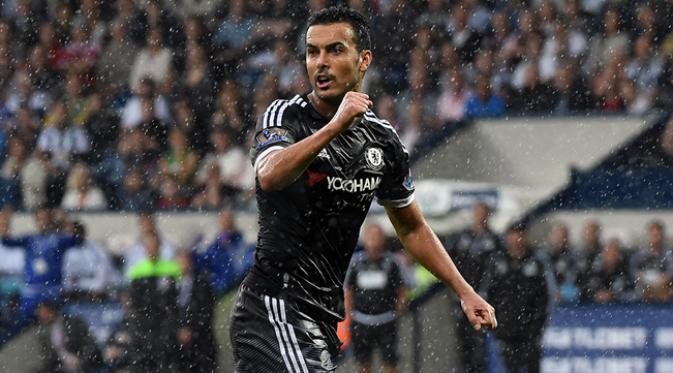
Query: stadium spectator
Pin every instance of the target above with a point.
(472, 250)
(155, 16)
(43, 267)
(590, 247)
(482, 102)
(117, 349)
(228, 109)
(212, 193)
(196, 305)
(375, 298)
(59, 143)
(10, 172)
(452, 98)
(80, 193)
(609, 278)
(228, 257)
(177, 168)
(171, 197)
(66, 345)
(563, 261)
(80, 54)
(197, 82)
(11, 279)
(153, 61)
(193, 122)
(154, 309)
(418, 93)
(137, 195)
(236, 32)
(534, 96)
(88, 273)
(644, 70)
(571, 94)
(114, 69)
(147, 226)
(652, 266)
(42, 76)
(145, 103)
(33, 179)
(518, 285)
(231, 160)
(611, 41)
(466, 40)
(136, 150)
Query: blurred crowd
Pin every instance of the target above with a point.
(524, 278)
(163, 296)
(148, 104)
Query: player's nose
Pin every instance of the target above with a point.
(323, 59)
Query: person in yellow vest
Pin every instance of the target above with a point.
(154, 310)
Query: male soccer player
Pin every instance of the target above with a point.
(320, 159)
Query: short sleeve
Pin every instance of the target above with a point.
(397, 187)
(276, 129)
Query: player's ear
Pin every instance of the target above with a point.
(365, 59)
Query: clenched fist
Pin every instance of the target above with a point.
(353, 106)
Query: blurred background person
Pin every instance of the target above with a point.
(609, 279)
(196, 306)
(154, 309)
(473, 250)
(652, 266)
(518, 285)
(80, 193)
(88, 273)
(375, 297)
(66, 345)
(43, 268)
(562, 258)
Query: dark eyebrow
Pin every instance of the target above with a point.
(332, 45)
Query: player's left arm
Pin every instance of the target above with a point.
(419, 239)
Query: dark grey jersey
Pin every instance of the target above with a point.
(309, 229)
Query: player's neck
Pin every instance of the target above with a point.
(324, 107)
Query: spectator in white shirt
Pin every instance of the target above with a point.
(154, 60)
(60, 140)
(132, 114)
(12, 261)
(229, 157)
(81, 194)
(88, 269)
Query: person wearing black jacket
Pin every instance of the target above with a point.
(518, 286)
(609, 279)
(153, 317)
(472, 249)
(196, 304)
(65, 342)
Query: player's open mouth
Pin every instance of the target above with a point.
(323, 81)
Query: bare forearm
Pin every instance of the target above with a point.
(424, 245)
(281, 168)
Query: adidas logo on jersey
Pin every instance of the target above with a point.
(367, 184)
(323, 154)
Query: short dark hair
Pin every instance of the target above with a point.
(351, 16)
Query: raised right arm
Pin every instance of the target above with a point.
(279, 166)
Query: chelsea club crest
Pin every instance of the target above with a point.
(374, 157)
